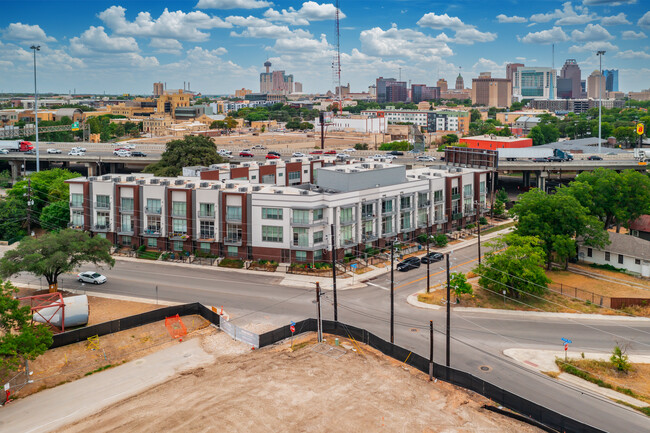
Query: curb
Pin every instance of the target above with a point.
(413, 300)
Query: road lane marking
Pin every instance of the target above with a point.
(377, 285)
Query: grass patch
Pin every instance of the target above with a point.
(498, 228)
(105, 367)
(299, 346)
(553, 374)
(607, 268)
(149, 255)
(231, 263)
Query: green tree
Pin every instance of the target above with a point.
(55, 215)
(475, 115)
(564, 248)
(459, 285)
(54, 254)
(537, 136)
(306, 125)
(515, 264)
(361, 146)
(560, 214)
(293, 124)
(625, 135)
(19, 339)
(501, 195)
(218, 124)
(230, 123)
(620, 360)
(191, 150)
(13, 218)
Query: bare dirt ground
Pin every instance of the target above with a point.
(601, 287)
(276, 389)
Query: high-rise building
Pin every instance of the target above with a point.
(241, 93)
(534, 83)
(422, 92)
(381, 83)
(595, 81)
(158, 89)
(491, 92)
(391, 90)
(442, 84)
(460, 83)
(565, 88)
(611, 79)
(510, 72)
(297, 87)
(345, 90)
(570, 71)
(276, 82)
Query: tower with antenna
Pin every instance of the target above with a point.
(336, 63)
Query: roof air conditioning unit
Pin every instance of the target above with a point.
(116, 179)
(164, 182)
(154, 181)
(230, 185)
(365, 165)
(140, 182)
(273, 162)
(217, 186)
(304, 192)
(130, 178)
(179, 182)
(340, 170)
(203, 184)
(189, 186)
(247, 164)
(257, 188)
(106, 177)
(243, 189)
(278, 191)
(92, 178)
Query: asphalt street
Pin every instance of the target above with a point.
(478, 339)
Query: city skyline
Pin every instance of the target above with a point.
(221, 45)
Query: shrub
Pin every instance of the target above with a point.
(441, 240)
(142, 248)
(482, 221)
(620, 360)
(231, 263)
(361, 146)
(470, 226)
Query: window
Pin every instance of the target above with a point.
(179, 226)
(101, 235)
(405, 220)
(127, 204)
(423, 217)
(454, 190)
(405, 202)
(206, 230)
(271, 234)
(77, 218)
(103, 202)
(620, 259)
(153, 205)
(205, 247)
(271, 213)
(179, 208)
(301, 216)
(437, 196)
(589, 252)
(233, 251)
(346, 234)
(206, 210)
(468, 206)
(387, 225)
(482, 187)
(127, 225)
(152, 242)
(439, 213)
(367, 210)
(253, 177)
(387, 206)
(637, 261)
(301, 256)
(318, 237)
(178, 245)
(102, 220)
(346, 215)
(126, 240)
(268, 178)
(607, 255)
(233, 233)
(294, 178)
(318, 255)
(318, 214)
(467, 190)
(300, 237)
(367, 228)
(423, 199)
(76, 200)
(233, 213)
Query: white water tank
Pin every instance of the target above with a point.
(76, 312)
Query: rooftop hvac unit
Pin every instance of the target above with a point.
(422, 177)
(154, 181)
(189, 186)
(130, 178)
(365, 165)
(379, 166)
(216, 186)
(278, 191)
(247, 164)
(230, 185)
(304, 192)
(106, 177)
(340, 170)
(179, 182)
(140, 182)
(354, 170)
(164, 182)
(243, 189)
(273, 162)
(117, 179)
(203, 184)
(92, 178)
(257, 188)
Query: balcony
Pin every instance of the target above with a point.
(179, 214)
(101, 228)
(455, 196)
(422, 224)
(305, 222)
(232, 240)
(456, 215)
(387, 211)
(347, 222)
(440, 220)
(206, 215)
(152, 210)
(206, 236)
(178, 236)
(348, 242)
(470, 212)
(126, 210)
(125, 231)
(152, 233)
(75, 226)
(102, 205)
(369, 237)
(233, 219)
(424, 204)
(76, 204)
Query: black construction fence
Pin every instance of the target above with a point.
(82, 334)
(535, 412)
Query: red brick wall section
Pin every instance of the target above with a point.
(292, 166)
(209, 175)
(265, 170)
(87, 203)
(494, 144)
(239, 172)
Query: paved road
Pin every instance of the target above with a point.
(478, 338)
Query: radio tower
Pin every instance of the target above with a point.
(337, 59)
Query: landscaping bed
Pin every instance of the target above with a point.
(263, 265)
(231, 263)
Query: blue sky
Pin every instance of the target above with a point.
(220, 45)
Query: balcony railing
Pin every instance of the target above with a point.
(153, 210)
(305, 222)
(422, 224)
(127, 231)
(102, 205)
(206, 235)
(456, 215)
(75, 226)
(126, 210)
(368, 216)
(232, 240)
(152, 233)
(424, 204)
(347, 222)
(440, 220)
(203, 214)
(455, 196)
(369, 236)
(469, 211)
(347, 242)
(101, 227)
(76, 204)
(178, 236)
(233, 218)
(179, 214)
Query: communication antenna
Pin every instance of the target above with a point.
(337, 59)
(400, 74)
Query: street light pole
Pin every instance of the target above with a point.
(428, 258)
(38, 161)
(478, 225)
(600, 55)
(448, 312)
(392, 295)
(336, 315)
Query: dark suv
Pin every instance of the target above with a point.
(396, 153)
(137, 153)
(432, 258)
(408, 264)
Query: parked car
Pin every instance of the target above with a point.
(298, 155)
(540, 160)
(272, 156)
(273, 152)
(351, 149)
(4, 152)
(245, 154)
(396, 153)
(595, 158)
(51, 150)
(138, 153)
(91, 277)
(425, 158)
(432, 258)
(76, 153)
(330, 152)
(408, 264)
(316, 152)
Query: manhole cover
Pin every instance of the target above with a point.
(485, 368)
(414, 329)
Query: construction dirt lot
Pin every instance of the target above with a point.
(277, 389)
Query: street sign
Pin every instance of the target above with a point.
(293, 329)
(566, 340)
(75, 126)
(353, 265)
(566, 346)
(640, 129)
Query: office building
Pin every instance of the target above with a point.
(611, 79)
(570, 71)
(442, 85)
(427, 120)
(595, 85)
(534, 83)
(422, 92)
(158, 89)
(241, 93)
(511, 68)
(169, 101)
(491, 92)
(297, 87)
(574, 105)
(276, 82)
(369, 204)
(460, 83)
(391, 90)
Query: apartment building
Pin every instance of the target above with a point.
(367, 203)
(428, 120)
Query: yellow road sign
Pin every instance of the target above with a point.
(640, 128)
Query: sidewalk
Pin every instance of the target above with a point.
(544, 361)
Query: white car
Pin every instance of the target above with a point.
(51, 150)
(352, 149)
(128, 146)
(4, 152)
(342, 156)
(425, 158)
(91, 277)
(121, 153)
(387, 156)
(298, 155)
(76, 153)
(80, 149)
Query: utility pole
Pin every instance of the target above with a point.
(600, 55)
(336, 314)
(29, 207)
(38, 161)
(478, 225)
(320, 323)
(428, 258)
(321, 118)
(392, 295)
(448, 309)
(430, 350)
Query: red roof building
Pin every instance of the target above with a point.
(493, 142)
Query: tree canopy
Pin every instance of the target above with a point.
(191, 150)
(55, 253)
(19, 339)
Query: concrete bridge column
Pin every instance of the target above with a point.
(526, 178)
(15, 170)
(541, 180)
(92, 168)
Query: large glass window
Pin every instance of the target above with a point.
(152, 242)
(387, 206)
(233, 213)
(423, 199)
(318, 237)
(179, 226)
(368, 228)
(76, 200)
(179, 208)
(423, 217)
(301, 256)
(301, 216)
(405, 220)
(206, 230)
(387, 225)
(437, 196)
(467, 190)
(127, 204)
(439, 212)
(294, 178)
(269, 213)
(205, 247)
(103, 202)
(232, 251)
(268, 179)
(153, 224)
(346, 215)
(300, 237)
(406, 202)
(272, 234)
(178, 245)
(153, 205)
(318, 214)
(127, 223)
(367, 210)
(346, 234)
(206, 210)
(102, 220)
(482, 187)
(233, 233)
(77, 218)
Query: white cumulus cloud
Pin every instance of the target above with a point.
(567, 16)
(408, 43)
(470, 35)
(503, 19)
(556, 34)
(169, 46)
(26, 32)
(593, 32)
(644, 21)
(439, 22)
(310, 11)
(593, 46)
(232, 4)
(633, 55)
(615, 20)
(95, 40)
(631, 34)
